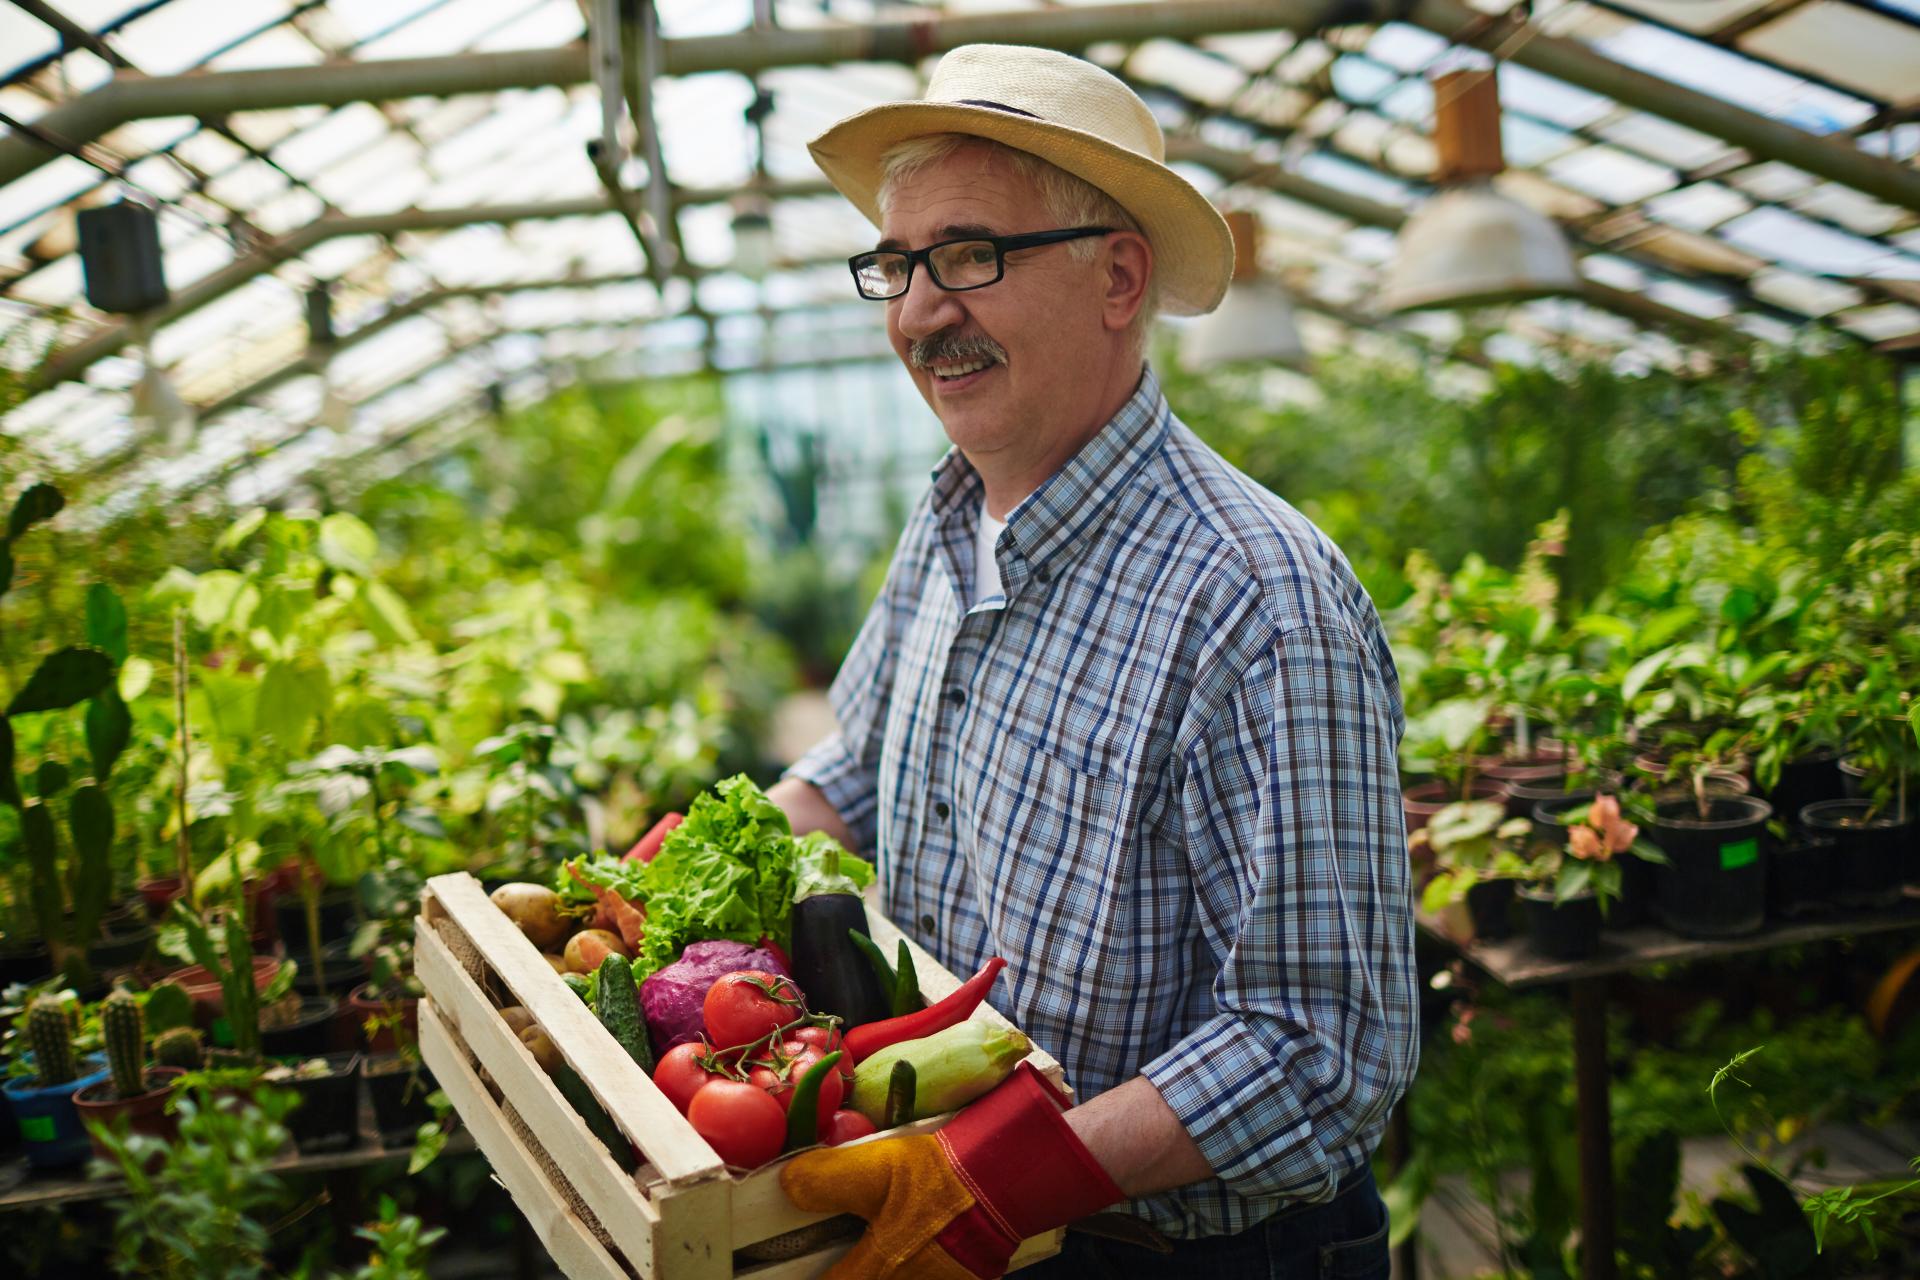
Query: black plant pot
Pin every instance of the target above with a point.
(122, 950)
(339, 916)
(1490, 905)
(328, 1117)
(1800, 874)
(1872, 856)
(1715, 883)
(1567, 930)
(399, 1096)
(1550, 816)
(1537, 786)
(24, 960)
(1639, 882)
(310, 1034)
(1805, 780)
(344, 971)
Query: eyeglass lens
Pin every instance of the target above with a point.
(964, 264)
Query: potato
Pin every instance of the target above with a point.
(586, 950)
(543, 1050)
(518, 1017)
(559, 963)
(536, 909)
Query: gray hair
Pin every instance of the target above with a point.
(1069, 200)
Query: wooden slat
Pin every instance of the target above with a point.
(610, 1192)
(629, 1096)
(567, 1239)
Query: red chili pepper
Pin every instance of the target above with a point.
(649, 844)
(870, 1038)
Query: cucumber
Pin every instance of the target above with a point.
(581, 1099)
(619, 1010)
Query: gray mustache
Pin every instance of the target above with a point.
(944, 348)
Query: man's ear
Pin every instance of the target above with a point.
(1129, 265)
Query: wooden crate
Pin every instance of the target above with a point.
(682, 1215)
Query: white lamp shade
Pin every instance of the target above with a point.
(158, 409)
(1471, 247)
(1253, 322)
(752, 244)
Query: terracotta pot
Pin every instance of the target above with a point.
(363, 1004)
(145, 1114)
(1421, 802)
(209, 1002)
(158, 892)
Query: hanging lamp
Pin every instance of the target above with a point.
(1469, 245)
(1254, 321)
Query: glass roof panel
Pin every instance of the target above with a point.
(1877, 55)
(183, 33)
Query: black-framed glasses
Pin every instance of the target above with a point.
(956, 265)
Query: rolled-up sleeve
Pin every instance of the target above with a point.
(846, 765)
(1291, 804)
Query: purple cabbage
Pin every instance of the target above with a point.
(672, 997)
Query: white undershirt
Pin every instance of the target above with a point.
(986, 570)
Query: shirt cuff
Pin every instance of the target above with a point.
(1232, 1095)
(850, 787)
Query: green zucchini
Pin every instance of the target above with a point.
(619, 1010)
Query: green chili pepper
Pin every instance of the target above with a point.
(900, 1090)
(803, 1111)
(867, 947)
(906, 987)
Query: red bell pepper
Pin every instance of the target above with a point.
(870, 1038)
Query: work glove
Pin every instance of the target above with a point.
(954, 1205)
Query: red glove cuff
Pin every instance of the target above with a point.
(1027, 1169)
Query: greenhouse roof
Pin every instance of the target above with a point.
(1744, 165)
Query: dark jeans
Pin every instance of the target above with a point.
(1343, 1239)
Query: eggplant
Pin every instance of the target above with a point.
(830, 970)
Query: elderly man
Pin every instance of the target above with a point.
(1118, 715)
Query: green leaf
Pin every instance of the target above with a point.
(90, 819)
(168, 1006)
(1641, 672)
(387, 615)
(106, 622)
(50, 779)
(135, 675)
(43, 853)
(71, 675)
(9, 785)
(240, 530)
(109, 729)
(348, 544)
(292, 696)
(40, 502)
(223, 597)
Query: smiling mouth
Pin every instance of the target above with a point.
(960, 369)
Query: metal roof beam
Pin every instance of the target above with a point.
(97, 346)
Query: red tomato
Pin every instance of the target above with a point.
(679, 1075)
(743, 1125)
(844, 1126)
(778, 1086)
(825, 1040)
(739, 1008)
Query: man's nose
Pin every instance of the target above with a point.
(925, 308)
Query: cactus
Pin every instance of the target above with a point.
(50, 1032)
(235, 973)
(123, 1026)
(179, 1047)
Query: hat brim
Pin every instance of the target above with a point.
(1192, 248)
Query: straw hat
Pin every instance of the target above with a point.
(1064, 110)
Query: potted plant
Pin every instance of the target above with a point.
(1715, 882)
(46, 1079)
(328, 1086)
(1445, 741)
(229, 983)
(1574, 883)
(1477, 855)
(398, 1082)
(135, 1095)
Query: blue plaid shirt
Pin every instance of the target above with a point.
(1159, 777)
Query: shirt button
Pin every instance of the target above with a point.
(927, 924)
(958, 697)
(942, 810)
(1042, 576)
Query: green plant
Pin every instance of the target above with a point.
(1472, 841)
(179, 1047)
(123, 1029)
(50, 1033)
(1819, 1213)
(1597, 833)
(233, 969)
(400, 1245)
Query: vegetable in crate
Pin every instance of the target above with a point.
(863, 1042)
(617, 1002)
(748, 1005)
(672, 998)
(827, 962)
(537, 910)
(951, 1068)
